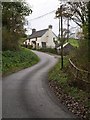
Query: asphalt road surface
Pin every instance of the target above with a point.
(26, 93)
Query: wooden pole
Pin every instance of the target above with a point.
(59, 30)
(67, 28)
(61, 39)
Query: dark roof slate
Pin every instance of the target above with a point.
(38, 33)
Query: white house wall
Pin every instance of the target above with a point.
(44, 38)
(39, 41)
(27, 42)
(48, 38)
(50, 42)
(34, 39)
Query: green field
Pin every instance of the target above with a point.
(73, 42)
(13, 61)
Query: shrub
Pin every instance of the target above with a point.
(16, 60)
(49, 50)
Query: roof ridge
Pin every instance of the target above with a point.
(42, 30)
(38, 33)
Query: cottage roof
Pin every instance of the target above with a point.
(38, 33)
(66, 45)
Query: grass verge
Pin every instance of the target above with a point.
(13, 61)
(74, 42)
(60, 78)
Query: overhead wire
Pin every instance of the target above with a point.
(42, 15)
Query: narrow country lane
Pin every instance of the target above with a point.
(26, 93)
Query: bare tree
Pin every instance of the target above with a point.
(79, 12)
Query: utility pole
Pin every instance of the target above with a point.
(67, 28)
(59, 14)
(61, 38)
(59, 29)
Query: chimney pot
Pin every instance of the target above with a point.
(33, 30)
(50, 26)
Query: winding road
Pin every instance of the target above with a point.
(26, 93)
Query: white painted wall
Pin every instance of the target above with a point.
(50, 42)
(39, 41)
(48, 38)
(27, 41)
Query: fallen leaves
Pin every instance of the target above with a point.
(75, 106)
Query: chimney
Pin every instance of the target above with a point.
(50, 26)
(33, 30)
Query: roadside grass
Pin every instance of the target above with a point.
(61, 77)
(13, 61)
(73, 42)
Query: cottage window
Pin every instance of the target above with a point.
(54, 39)
(38, 44)
(43, 44)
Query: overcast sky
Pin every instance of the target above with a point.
(40, 8)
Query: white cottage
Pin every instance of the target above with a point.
(42, 39)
